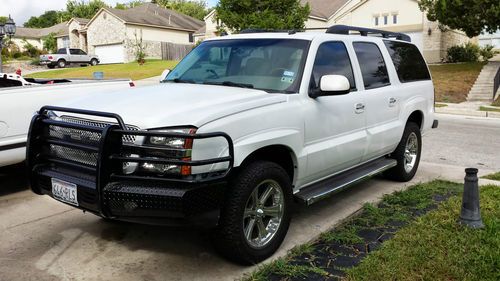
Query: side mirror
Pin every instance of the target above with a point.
(164, 75)
(331, 85)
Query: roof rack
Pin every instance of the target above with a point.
(346, 29)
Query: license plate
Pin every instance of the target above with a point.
(64, 191)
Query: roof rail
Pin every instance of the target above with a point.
(346, 29)
(257, 30)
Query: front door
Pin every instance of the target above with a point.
(335, 135)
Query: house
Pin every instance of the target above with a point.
(403, 16)
(111, 33)
(35, 36)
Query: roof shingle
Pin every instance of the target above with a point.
(324, 8)
(37, 33)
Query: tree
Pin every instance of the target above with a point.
(195, 8)
(50, 42)
(83, 9)
(3, 20)
(47, 19)
(470, 16)
(264, 14)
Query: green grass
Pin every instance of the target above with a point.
(497, 102)
(494, 176)
(435, 247)
(454, 81)
(131, 70)
(396, 207)
(483, 108)
(440, 105)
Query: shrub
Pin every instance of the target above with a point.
(487, 52)
(17, 55)
(465, 53)
(31, 50)
(35, 61)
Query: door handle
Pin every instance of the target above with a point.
(359, 108)
(392, 102)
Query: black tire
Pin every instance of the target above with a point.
(51, 66)
(399, 172)
(93, 62)
(61, 63)
(229, 238)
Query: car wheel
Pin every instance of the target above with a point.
(61, 64)
(256, 215)
(51, 66)
(93, 62)
(407, 154)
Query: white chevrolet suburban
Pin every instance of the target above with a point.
(242, 127)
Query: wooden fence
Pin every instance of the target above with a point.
(171, 51)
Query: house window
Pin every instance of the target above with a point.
(65, 42)
(191, 37)
(394, 19)
(386, 18)
(376, 20)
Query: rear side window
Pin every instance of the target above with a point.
(408, 61)
(332, 59)
(61, 51)
(372, 65)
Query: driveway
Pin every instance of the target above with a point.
(41, 239)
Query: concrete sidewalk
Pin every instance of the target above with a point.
(468, 109)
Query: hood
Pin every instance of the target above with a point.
(167, 105)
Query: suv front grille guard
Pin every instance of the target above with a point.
(98, 151)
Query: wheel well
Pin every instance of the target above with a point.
(278, 154)
(416, 117)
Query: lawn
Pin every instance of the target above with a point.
(131, 70)
(484, 108)
(454, 81)
(422, 241)
(497, 102)
(494, 176)
(435, 247)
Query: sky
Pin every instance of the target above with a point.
(22, 10)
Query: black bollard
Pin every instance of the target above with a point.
(471, 214)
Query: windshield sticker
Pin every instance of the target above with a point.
(288, 73)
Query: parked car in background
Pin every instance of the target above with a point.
(243, 126)
(20, 99)
(66, 56)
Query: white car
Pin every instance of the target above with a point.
(244, 125)
(20, 98)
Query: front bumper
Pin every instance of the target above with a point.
(96, 157)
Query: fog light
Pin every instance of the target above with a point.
(161, 169)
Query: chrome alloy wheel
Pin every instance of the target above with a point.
(411, 150)
(263, 213)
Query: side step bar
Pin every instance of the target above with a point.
(329, 186)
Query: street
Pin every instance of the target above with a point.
(41, 239)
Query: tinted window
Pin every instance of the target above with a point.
(332, 58)
(408, 61)
(80, 52)
(61, 51)
(74, 51)
(372, 65)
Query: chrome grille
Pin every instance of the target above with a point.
(128, 139)
(83, 137)
(76, 155)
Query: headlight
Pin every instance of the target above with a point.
(178, 143)
(180, 149)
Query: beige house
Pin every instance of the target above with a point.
(35, 36)
(399, 16)
(111, 34)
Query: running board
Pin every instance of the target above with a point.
(334, 184)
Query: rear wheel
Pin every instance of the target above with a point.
(256, 215)
(61, 63)
(51, 66)
(407, 154)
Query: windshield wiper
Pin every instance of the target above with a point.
(177, 80)
(230, 84)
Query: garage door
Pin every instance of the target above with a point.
(110, 53)
(417, 39)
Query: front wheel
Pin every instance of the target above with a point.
(407, 154)
(256, 215)
(93, 62)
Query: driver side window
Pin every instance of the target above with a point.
(332, 59)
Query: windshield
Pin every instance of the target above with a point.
(272, 65)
